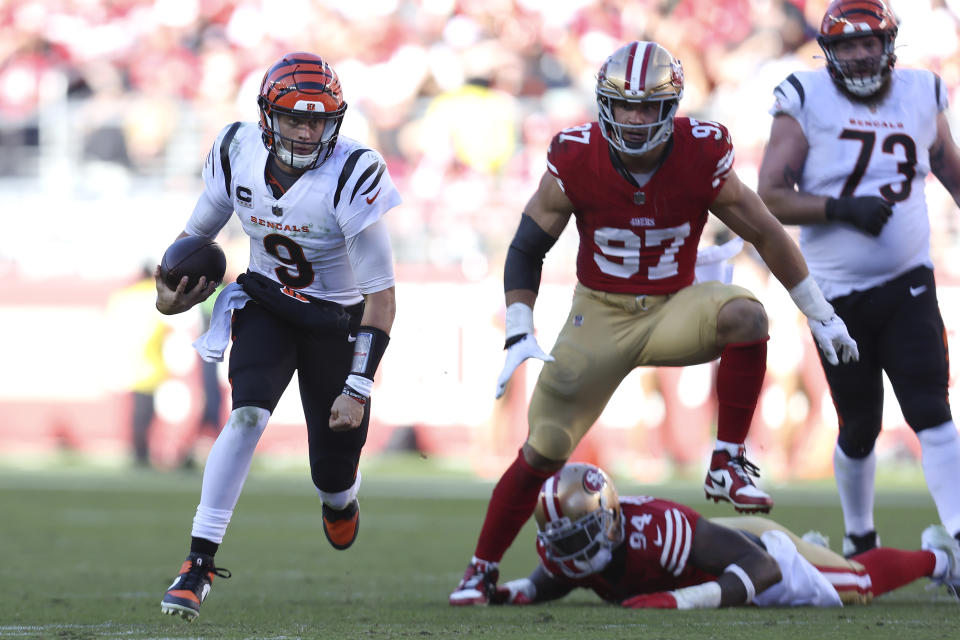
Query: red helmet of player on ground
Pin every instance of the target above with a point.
(637, 73)
(578, 514)
(303, 86)
(846, 19)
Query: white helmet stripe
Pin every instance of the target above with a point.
(550, 502)
(640, 82)
(630, 72)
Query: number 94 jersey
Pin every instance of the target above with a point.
(640, 239)
(298, 240)
(654, 556)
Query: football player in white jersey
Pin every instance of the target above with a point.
(850, 147)
(317, 298)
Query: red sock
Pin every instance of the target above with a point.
(891, 569)
(511, 505)
(739, 380)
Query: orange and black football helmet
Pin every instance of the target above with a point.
(639, 72)
(845, 19)
(579, 518)
(301, 85)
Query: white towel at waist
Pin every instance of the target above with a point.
(213, 343)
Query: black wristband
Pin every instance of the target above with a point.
(831, 208)
(353, 393)
(370, 346)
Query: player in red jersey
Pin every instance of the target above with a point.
(639, 182)
(642, 552)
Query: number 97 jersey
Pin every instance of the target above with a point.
(640, 239)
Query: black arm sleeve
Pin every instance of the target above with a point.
(525, 256)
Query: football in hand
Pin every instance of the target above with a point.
(192, 256)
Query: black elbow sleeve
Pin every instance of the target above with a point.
(524, 262)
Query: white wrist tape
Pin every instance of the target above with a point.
(701, 596)
(809, 299)
(736, 570)
(360, 384)
(519, 320)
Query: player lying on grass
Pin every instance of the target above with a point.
(643, 552)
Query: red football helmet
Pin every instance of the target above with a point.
(578, 514)
(847, 19)
(301, 85)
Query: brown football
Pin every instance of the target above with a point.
(192, 256)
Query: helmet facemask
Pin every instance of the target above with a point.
(860, 76)
(283, 147)
(655, 132)
(583, 547)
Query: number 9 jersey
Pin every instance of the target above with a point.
(640, 236)
(861, 149)
(299, 239)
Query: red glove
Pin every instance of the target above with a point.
(659, 600)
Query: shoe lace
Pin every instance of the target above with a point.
(197, 573)
(744, 468)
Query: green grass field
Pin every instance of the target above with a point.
(88, 553)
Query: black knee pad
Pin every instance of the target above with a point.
(922, 411)
(857, 443)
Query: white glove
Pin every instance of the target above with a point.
(832, 337)
(526, 347)
(829, 331)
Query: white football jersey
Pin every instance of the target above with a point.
(298, 240)
(859, 150)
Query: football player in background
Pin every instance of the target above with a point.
(317, 298)
(850, 147)
(642, 552)
(640, 183)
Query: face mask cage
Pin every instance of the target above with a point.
(582, 547)
(862, 76)
(656, 132)
(281, 147)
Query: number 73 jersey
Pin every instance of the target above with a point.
(856, 149)
(640, 239)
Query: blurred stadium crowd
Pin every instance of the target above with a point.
(108, 108)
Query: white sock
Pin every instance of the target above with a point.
(855, 485)
(940, 459)
(730, 447)
(226, 470)
(341, 499)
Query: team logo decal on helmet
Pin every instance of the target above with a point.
(637, 73)
(578, 515)
(846, 19)
(303, 86)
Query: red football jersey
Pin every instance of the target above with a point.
(641, 240)
(658, 538)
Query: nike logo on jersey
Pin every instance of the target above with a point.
(719, 478)
(374, 197)
(351, 338)
(915, 291)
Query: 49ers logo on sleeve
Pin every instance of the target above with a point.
(593, 481)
